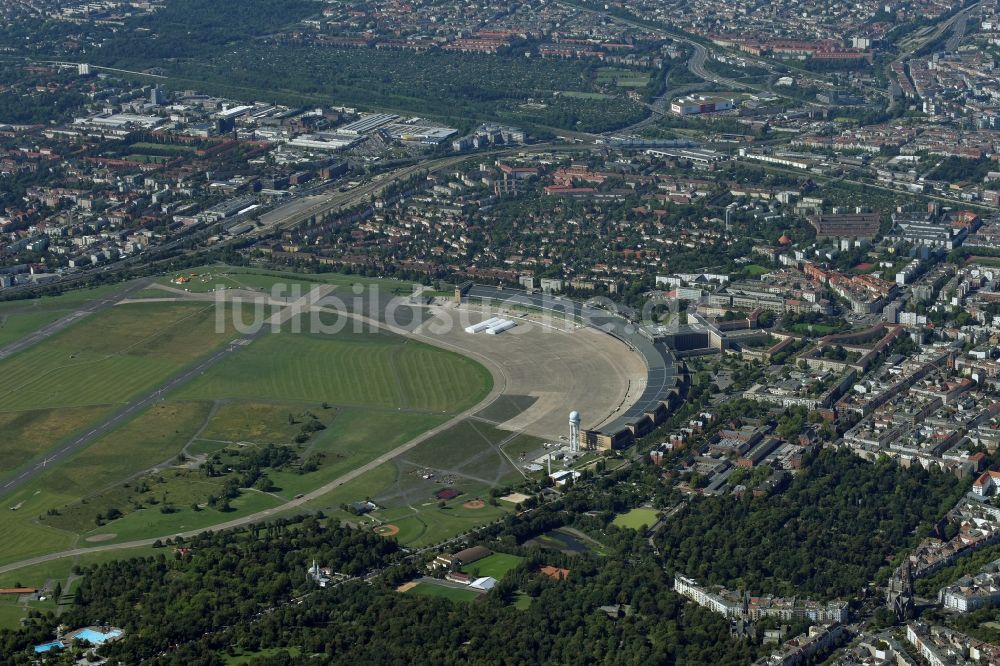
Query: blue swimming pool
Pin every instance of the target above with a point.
(97, 637)
(45, 647)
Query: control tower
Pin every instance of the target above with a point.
(574, 431)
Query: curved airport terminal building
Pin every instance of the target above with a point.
(663, 382)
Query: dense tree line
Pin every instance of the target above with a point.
(831, 532)
(358, 624)
(225, 578)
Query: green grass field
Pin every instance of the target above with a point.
(636, 518)
(382, 390)
(147, 159)
(583, 95)
(623, 78)
(452, 593)
(161, 147)
(150, 522)
(431, 524)
(353, 438)
(755, 270)
(109, 357)
(155, 436)
(27, 434)
(17, 325)
(496, 565)
(469, 449)
(258, 422)
(346, 369)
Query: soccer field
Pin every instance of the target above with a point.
(636, 518)
(496, 565)
(453, 593)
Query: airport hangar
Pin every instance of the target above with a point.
(663, 388)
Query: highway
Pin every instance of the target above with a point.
(957, 22)
(697, 67)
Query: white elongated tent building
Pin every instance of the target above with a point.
(483, 325)
(500, 327)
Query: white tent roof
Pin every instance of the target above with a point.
(484, 583)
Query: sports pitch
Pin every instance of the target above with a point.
(452, 593)
(636, 518)
(496, 565)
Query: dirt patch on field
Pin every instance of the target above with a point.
(474, 504)
(101, 537)
(515, 498)
(406, 587)
(386, 530)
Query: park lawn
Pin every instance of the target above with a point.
(260, 422)
(452, 593)
(986, 261)
(431, 524)
(150, 523)
(279, 286)
(369, 484)
(154, 293)
(522, 443)
(351, 440)
(154, 436)
(370, 369)
(636, 518)
(469, 447)
(109, 357)
(466, 438)
(17, 325)
(198, 282)
(634, 82)
(624, 78)
(11, 610)
(147, 159)
(411, 528)
(755, 270)
(30, 433)
(522, 601)
(813, 329)
(59, 569)
(23, 539)
(179, 488)
(496, 565)
(583, 95)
